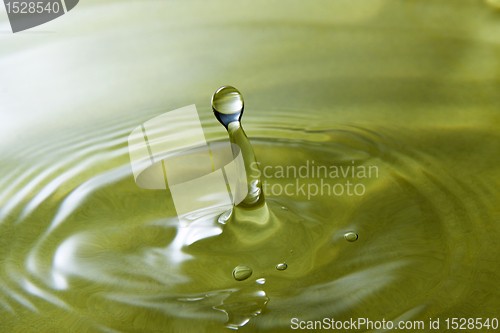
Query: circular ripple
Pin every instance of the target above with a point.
(81, 241)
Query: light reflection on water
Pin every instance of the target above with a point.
(83, 248)
(107, 244)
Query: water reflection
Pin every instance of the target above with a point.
(406, 86)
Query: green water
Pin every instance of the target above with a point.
(408, 87)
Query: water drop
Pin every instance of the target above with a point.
(242, 272)
(282, 266)
(261, 281)
(284, 208)
(227, 104)
(351, 236)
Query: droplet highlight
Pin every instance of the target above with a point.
(282, 266)
(351, 236)
(227, 104)
(242, 272)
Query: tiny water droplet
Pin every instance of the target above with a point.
(261, 281)
(227, 104)
(284, 208)
(242, 272)
(351, 236)
(281, 267)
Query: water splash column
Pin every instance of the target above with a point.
(228, 106)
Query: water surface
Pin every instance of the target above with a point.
(409, 87)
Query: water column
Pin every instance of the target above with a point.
(252, 212)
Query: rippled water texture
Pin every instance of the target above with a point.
(410, 87)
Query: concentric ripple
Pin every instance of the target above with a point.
(82, 248)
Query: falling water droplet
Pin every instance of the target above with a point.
(351, 236)
(227, 104)
(242, 272)
(282, 266)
